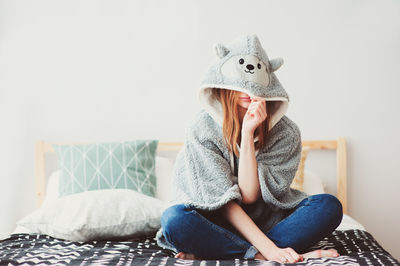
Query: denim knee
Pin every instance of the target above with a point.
(172, 216)
(332, 207)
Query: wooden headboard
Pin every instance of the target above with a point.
(339, 145)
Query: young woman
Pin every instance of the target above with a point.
(232, 178)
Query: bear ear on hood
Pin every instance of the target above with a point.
(275, 64)
(221, 50)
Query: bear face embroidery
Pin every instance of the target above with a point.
(246, 67)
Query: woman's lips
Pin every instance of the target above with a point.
(246, 99)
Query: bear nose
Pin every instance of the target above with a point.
(250, 67)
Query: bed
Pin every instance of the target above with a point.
(24, 247)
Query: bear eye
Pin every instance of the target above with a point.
(241, 61)
(259, 66)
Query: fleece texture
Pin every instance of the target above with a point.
(205, 172)
(244, 66)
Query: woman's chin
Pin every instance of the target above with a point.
(243, 106)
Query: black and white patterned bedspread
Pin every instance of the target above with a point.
(356, 247)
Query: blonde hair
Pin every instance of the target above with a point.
(231, 125)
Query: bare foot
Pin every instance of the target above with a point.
(185, 256)
(312, 254)
(321, 253)
(259, 256)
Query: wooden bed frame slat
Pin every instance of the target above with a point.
(341, 170)
(339, 145)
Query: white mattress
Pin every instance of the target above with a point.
(349, 223)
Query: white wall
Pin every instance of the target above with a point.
(119, 70)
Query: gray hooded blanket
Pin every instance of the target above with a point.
(205, 172)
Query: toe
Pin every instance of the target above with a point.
(179, 255)
(334, 252)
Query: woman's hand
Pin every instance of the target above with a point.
(255, 115)
(283, 255)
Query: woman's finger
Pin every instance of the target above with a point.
(251, 110)
(290, 258)
(260, 102)
(287, 259)
(257, 98)
(260, 115)
(257, 107)
(295, 255)
(264, 112)
(254, 107)
(250, 113)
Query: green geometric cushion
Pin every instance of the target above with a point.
(129, 164)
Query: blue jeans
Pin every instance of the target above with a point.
(208, 235)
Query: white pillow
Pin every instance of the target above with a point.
(163, 171)
(97, 214)
(312, 183)
(51, 193)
